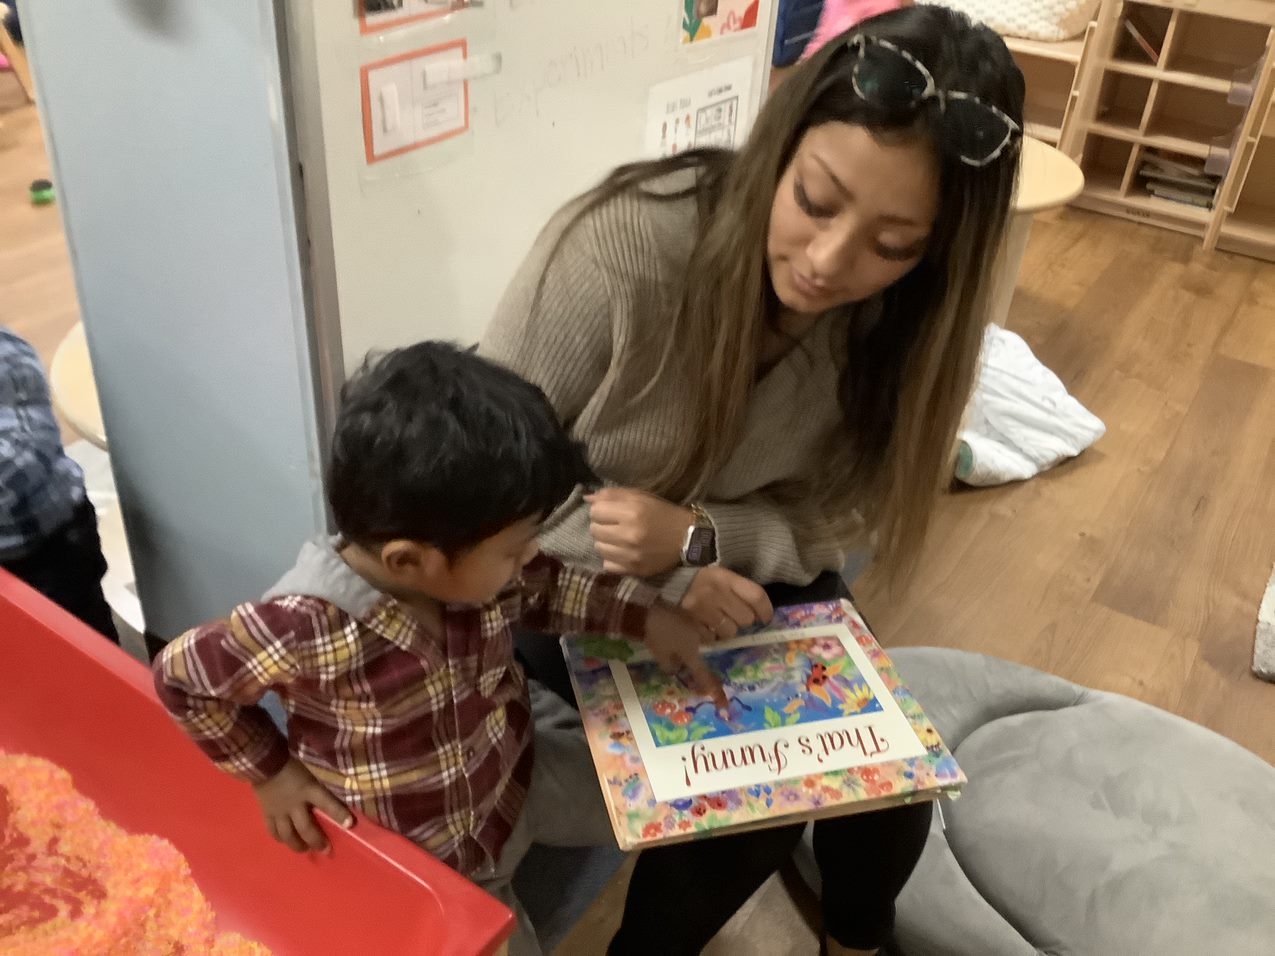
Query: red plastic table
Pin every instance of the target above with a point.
(72, 697)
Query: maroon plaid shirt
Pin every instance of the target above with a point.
(428, 736)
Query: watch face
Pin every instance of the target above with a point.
(700, 549)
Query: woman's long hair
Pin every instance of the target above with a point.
(909, 364)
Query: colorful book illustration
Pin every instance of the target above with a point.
(819, 724)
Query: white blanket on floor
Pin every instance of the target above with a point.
(1021, 419)
(1264, 648)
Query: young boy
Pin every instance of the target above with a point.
(391, 645)
(48, 528)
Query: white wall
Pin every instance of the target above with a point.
(422, 246)
(167, 130)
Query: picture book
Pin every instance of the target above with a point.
(819, 724)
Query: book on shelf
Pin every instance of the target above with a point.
(1181, 167)
(1205, 184)
(1179, 180)
(1189, 197)
(819, 724)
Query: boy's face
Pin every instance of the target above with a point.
(486, 569)
(483, 571)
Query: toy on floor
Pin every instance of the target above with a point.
(41, 192)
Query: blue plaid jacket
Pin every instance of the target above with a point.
(40, 487)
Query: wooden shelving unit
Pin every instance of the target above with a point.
(1195, 90)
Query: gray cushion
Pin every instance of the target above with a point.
(557, 884)
(1092, 824)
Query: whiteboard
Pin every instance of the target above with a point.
(422, 245)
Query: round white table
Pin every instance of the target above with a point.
(1047, 179)
(74, 388)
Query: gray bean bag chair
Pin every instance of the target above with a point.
(1092, 824)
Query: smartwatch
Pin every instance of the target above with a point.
(699, 548)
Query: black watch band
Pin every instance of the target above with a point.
(699, 549)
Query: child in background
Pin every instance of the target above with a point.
(48, 528)
(391, 645)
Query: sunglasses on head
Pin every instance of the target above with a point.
(893, 79)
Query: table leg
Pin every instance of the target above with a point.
(1009, 263)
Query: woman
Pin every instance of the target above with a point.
(767, 354)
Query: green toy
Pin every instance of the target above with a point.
(41, 192)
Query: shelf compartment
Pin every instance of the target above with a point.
(1208, 114)
(1216, 46)
(1120, 107)
(1049, 84)
(1106, 158)
(1106, 164)
(1200, 118)
(1152, 26)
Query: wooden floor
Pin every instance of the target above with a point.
(1137, 568)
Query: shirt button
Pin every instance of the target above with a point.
(469, 753)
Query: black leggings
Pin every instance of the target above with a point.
(681, 895)
(67, 568)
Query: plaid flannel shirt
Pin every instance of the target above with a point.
(428, 736)
(40, 487)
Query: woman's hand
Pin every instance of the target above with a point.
(724, 602)
(637, 533)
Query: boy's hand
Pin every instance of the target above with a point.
(673, 639)
(286, 800)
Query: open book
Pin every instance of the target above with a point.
(819, 725)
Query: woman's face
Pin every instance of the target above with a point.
(851, 216)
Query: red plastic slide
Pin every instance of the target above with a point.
(73, 698)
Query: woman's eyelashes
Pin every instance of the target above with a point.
(807, 205)
(903, 254)
(817, 211)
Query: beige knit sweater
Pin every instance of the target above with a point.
(592, 347)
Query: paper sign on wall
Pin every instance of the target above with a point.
(713, 107)
(414, 100)
(705, 19)
(377, 15)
